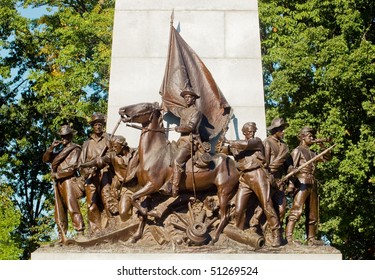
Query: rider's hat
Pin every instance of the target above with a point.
(186, 92)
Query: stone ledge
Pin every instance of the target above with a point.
(124, 251)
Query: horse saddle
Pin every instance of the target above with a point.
(202, 159)
(202, 162)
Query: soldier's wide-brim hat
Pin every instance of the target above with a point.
(188, 92)
(66, 130)
(97, 117)
(276, 123)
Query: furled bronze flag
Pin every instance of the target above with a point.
(186, 71)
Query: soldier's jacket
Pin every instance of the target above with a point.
(301, 155)
(251, 157)
(92, 148)
(276, 154)
(64, 161)
(190, 119)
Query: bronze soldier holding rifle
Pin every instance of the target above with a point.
(306, 193)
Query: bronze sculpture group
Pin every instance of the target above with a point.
(192, 191)
(197, 190)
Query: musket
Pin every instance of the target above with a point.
(59, 212)
(286, 177)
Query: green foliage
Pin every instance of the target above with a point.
(9, 220)
(54, 70)
(318, 59)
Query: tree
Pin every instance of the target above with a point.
(54, 71)
(9, 220)
(318, 59)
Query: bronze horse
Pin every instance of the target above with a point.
(155, 157)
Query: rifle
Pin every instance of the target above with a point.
(112, 134)
(60, 216)
(286, 177)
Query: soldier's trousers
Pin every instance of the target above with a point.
(256, 181)
(67, 202)
(307, 195)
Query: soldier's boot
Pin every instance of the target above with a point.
(311, 237)
(94, 218)
(289, 233)
(255, 219)
(177, 172)
(276, 237)
(312, 241)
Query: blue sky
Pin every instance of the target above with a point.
(34, 12)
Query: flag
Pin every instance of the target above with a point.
(186, 71)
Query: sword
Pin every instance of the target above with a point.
(150, 129)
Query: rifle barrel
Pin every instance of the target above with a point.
(286, 177)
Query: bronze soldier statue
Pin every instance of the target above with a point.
(306, 189)
(190, 119)
(97, 183)
(277, 162)
(249, 155)
(67, 192)
(123, 161)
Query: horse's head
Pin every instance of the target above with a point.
(139, 113)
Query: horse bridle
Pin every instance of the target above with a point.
(145, 129)
(151, 112)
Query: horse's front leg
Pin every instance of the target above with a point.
(146, 190)
(139, 232)
(223, 212)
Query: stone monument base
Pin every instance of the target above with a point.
(125, 251)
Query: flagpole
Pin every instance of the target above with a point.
(168, 59)
(172, 17)
(167, 66)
